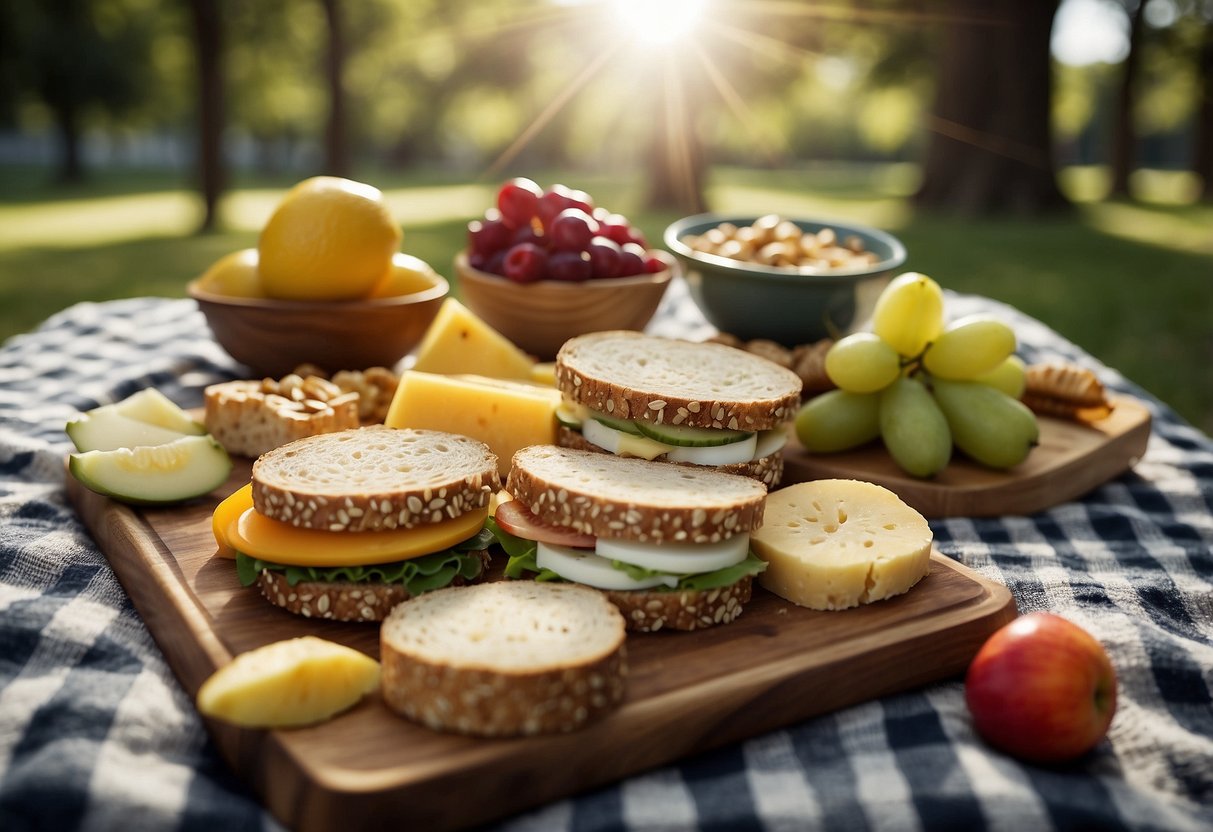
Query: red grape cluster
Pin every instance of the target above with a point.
(557, 234)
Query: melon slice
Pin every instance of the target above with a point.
(296, 682)
(835, 544)
(146, 418)
(154, 474)
(155, 408)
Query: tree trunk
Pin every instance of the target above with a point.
(336, 147)
(208, 43)
(71, 166)
(676, 158)
(1202, 162)
(1124, 131)
(990, 150)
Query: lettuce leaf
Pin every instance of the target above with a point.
(523, 553)
(418, 575)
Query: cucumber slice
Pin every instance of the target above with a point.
(686, 437)
(567, 417)
(623, 425)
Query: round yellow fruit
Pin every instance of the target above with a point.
(408, 274)
(234, 275)
(329, 239)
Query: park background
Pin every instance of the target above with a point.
(1057, 156)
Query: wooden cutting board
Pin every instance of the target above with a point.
(1071, 460)
(687, 692)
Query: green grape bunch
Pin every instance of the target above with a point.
(922, 387)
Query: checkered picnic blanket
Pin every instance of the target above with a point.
(95, 732)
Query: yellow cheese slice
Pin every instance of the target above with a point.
(299, 681)
(504, 415)
(834, 544)
(257, 535)
(544, 373)
(460, 342)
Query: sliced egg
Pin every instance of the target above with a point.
(770, 441)
(585, 567)
(678, 558)
(730, 454)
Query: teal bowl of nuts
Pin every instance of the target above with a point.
(786, 279)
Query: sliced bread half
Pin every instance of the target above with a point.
(629, 375)
(374, 478)
(505, 658)
(634, 499)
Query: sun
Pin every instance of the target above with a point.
(658, 22)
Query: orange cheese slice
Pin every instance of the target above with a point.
(244, 530)
(225, 514)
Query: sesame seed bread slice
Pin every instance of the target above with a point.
(505, 658)
(343, 600)
(630, 375)
(634, 499)
(647, 611)
(768, 470)
(373, 478)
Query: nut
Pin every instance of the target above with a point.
(774, 241)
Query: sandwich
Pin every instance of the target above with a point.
(702, 404)
(346, 525)
(668, 545)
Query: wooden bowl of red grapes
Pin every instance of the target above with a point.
(544, 265)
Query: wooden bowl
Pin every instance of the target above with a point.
(273, 337)
(539, 317)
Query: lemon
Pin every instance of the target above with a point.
(234, 275)
(407, 275)
(329, 239)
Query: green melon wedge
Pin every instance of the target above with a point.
(154, 474)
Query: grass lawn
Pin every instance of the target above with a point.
(1132, 283)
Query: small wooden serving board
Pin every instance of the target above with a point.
(1071, 460)
(686, 692)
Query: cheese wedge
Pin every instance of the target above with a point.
(460, 342)
(504, 415)
(835, 544)
(300, 681)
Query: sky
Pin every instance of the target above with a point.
(1089, 31)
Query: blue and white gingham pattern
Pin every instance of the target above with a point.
(95, 732)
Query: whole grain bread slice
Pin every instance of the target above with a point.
(634, 499)
(344, 600)
(647, 610)
(505, 658)
(373, 478)
(630, 375)
(768, 470)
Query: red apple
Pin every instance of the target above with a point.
(1041, 689)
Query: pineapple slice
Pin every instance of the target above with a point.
(299, 681)
(834, 544)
